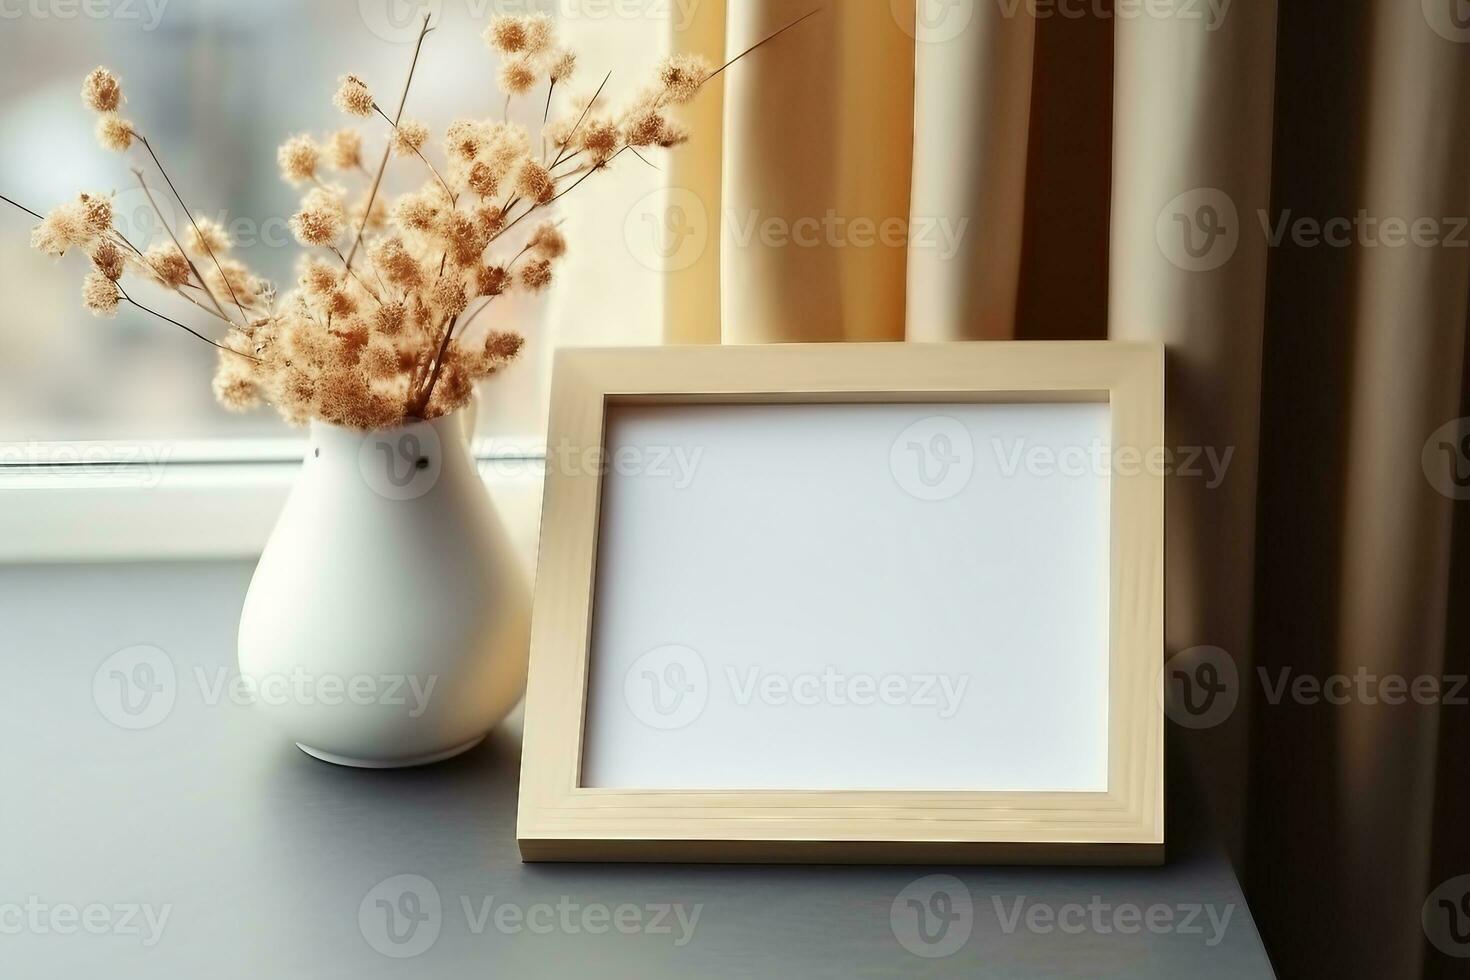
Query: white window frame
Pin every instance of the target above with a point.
(212, 499)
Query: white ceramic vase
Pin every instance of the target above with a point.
(388, 620)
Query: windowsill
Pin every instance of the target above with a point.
(90, 502)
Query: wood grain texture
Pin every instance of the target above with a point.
(561, 820)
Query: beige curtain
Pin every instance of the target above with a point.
(1131, 176)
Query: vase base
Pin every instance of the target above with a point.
(418, 760)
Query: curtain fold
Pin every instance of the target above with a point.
(1317, 540)
(817, 159)
(972, 117)
(1192, 136)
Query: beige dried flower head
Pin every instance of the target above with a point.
(506, 33)
(344, 150)
(449, 296)
(645, 128)
(409, 138)
(97, 212)
(674, 134)
(101, 91)
(389, 318)
(491, 219)
(481, 179)
(299, 157)
(379, 360)
(108, 259)
(235, 385)
(548, 241)
(354, 97)
(418, 211)
(491, 280)
(536, 275)
(464, 239)
(503, 346)
(316, 277)
(391, 258)
(168, 265)
(100, 294)
(563, 66)
(64, 227)
(540, 32)
(205, 236)
(114, 132)
(535, 182)
(376, 221)
(517, 75)
(682, 75)
(600, 139)
(321, 220)
(233, 279)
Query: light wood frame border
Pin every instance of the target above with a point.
(559, 820)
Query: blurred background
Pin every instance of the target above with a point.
(217, 86)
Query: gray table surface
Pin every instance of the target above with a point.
(205, 845)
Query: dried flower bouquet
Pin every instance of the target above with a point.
(378, 330)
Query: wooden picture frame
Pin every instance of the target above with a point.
(1120, 821)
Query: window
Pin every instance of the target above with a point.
(218, 85)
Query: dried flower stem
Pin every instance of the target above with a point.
(38, 217)
(192, 267)
(132, 302)
(245, 318)
(422, 402)
(453, 197)
(387, 150)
